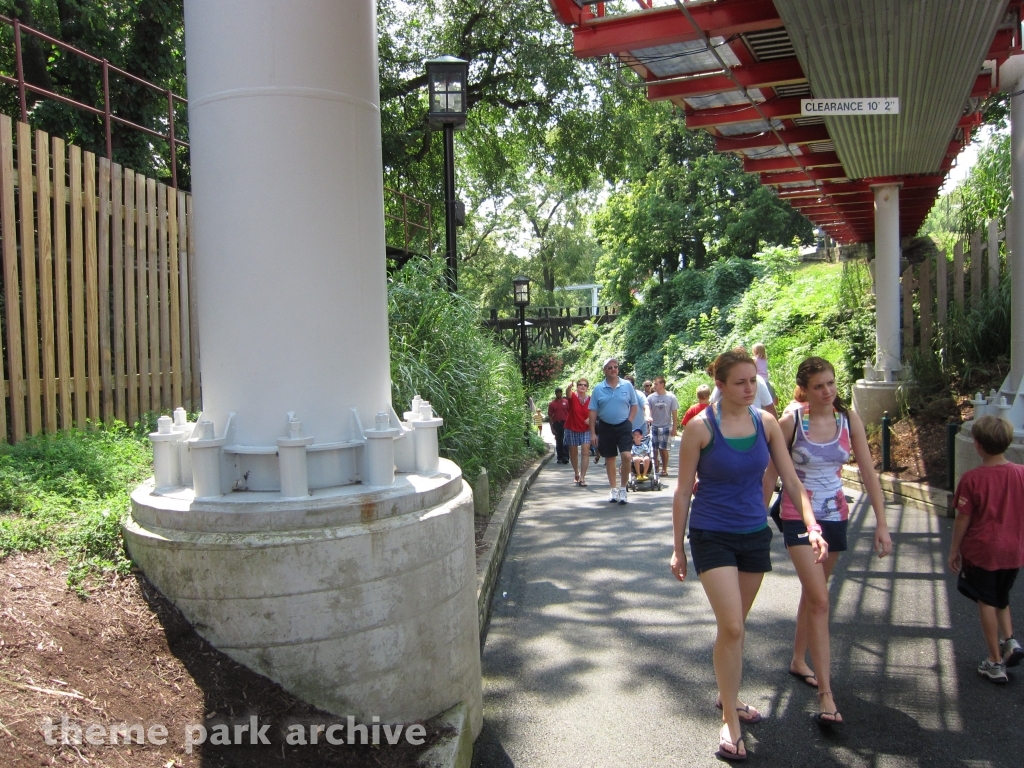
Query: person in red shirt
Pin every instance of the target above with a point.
(987, 549)
(558, 412)
(703, 398)
(577, 431)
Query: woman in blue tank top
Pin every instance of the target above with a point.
(727, 447)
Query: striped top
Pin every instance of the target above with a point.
(819, 467)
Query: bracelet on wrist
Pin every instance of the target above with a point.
(814, 528)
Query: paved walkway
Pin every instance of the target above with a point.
(596, 656)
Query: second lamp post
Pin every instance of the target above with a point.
(446, 81)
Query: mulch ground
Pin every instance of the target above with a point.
(124, 655)
(918, 448)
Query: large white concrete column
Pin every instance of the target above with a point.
(351, 585)
(1015, 222)
(887, 279)
(286, 176)
(878, 391)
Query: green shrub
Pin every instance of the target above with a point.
(68, 493)
(439, 352)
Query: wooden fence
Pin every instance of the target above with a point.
(932, 287)
(98, 289)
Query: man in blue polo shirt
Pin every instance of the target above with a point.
(613, 405)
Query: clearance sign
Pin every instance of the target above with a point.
(830, 107)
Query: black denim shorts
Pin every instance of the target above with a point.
(747, 552)
(794, 533)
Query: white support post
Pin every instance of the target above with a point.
(1015, 236)
(887, 280)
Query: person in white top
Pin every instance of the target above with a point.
(763, 399)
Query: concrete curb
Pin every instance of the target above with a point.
(921, 495)
(455, 750)
(488, 562)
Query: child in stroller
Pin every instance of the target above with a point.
(642, 470)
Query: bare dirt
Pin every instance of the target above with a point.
(124, 655)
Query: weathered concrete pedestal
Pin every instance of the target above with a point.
(302, 527)
(361, 601)
(874, 395)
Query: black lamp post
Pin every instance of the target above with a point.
(447, 79)
(521, 298)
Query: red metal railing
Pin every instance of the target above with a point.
(409, 223)
(106, 113)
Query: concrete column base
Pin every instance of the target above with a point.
(966, 457)
(359, 601)
(871, 399)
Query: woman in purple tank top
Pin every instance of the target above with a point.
(727, 447)
(822, 434)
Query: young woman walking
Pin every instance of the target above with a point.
(577, 431)
(822, 433)
(728, 445)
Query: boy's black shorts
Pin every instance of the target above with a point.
(988, 587)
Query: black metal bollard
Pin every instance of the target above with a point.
(886, 458)
(951, 429)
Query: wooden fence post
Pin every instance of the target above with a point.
(29, 318)
(976, 277)
(10, 267)
(993, 257)
(907, 283)
(941, 287)
(46, 319)
(958, 273)
(925, 301)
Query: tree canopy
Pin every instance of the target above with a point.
(144, 37)
(565, 167)
(682, 203)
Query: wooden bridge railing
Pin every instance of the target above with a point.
(546, 327)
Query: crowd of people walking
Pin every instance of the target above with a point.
(734, 448)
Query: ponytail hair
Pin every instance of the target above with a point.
(812, 366)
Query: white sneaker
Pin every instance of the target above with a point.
(994, 671)
(622, 496)
(1011, 652)
(614, 496)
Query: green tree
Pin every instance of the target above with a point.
(682, 203)
(985, 193)
(144, 37)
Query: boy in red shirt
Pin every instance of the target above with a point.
(703, 398)
(988, 541)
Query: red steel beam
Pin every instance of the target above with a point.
(663, 26)
(730, 115)
(807, 160)
(792, 136)
(763, 75)
(828, 173)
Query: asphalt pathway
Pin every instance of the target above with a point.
(596, 656)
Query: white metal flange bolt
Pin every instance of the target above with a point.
(204, 448)
(425, 439)
(380, 451)
(166, 463)
(291, 459)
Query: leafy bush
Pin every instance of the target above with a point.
(439, 351)
(542, 368)
(68, 493)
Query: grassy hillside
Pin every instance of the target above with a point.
(795, 309)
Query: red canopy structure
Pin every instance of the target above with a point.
(739, 69)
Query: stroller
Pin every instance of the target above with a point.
(650, 480)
